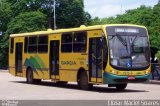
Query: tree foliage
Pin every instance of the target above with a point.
(5, 15)
(18, 16)
(143, 15)
(27, 22)
(70, 13)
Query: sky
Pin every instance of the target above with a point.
(107, 8)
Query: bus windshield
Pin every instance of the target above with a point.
(129, 47)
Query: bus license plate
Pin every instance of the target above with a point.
(128, 73)
(131, 77)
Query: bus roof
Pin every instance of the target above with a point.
(81, 28)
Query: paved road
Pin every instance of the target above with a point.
(15, 88)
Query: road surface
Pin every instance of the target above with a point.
(15, 88)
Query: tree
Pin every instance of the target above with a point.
(5, 15)
(24, 22)
(18, 16)
(154, 27)
(143, 15)
(70, 13)
(27, 22)
(4, 52)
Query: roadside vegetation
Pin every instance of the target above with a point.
(17, 16)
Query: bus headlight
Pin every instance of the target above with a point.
(147, 71)
(113, 72)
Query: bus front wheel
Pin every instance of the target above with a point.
(83, 81)
(120, 87)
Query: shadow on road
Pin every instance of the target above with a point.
(75, 87)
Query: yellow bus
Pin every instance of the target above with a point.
(114, 54)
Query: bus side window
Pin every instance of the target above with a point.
(43, 44)
(66, 42)
(11, 45)
(79, 42)
(26, 45)
(32, 45)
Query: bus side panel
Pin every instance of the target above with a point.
(70, 63)
(38, 63)
(45, 67)
(23, 58)
(12, 58)
(68, 75)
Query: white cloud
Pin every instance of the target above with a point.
(107, 8)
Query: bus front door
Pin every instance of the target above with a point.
(54, 59)
(18, 58)
(95, 59)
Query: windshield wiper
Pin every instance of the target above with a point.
(120, 39)
(124, 42)
(134, 40)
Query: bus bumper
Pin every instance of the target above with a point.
(114, 79)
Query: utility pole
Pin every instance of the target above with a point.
(158, 1)
(54, 15)
(50, 12)
(52, 9)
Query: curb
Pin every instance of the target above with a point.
(154, 81)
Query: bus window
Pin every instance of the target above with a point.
(43, 44)
(12, 45)
(32, 45)
(67, 42)
(26, 45)
(80, 40)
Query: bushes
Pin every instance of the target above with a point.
(158, 56)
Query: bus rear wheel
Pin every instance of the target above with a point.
(120, 87)
(83, 81)
(30, 78)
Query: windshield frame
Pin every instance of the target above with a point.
(139, 34)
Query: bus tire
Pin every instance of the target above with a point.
(120, 87)
(83, 81)
(30, 78)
